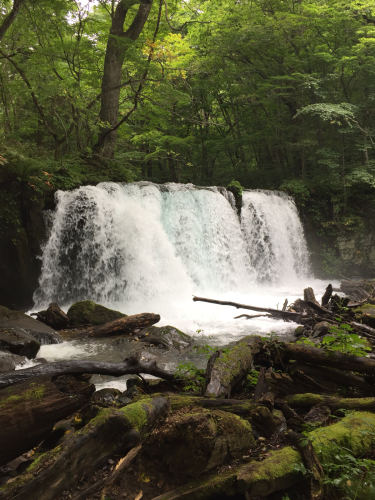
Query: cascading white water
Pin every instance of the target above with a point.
(274, 236)
(144, 247)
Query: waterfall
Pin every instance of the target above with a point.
(143, 243)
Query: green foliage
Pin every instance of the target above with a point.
(251, 380)
(194, 378)
(297, 189)
(343, 340)
(349, 476)
(236, 188)
(305, 341)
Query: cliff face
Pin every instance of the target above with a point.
(20, 248)
(358, 252)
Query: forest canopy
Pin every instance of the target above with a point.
(277, 94)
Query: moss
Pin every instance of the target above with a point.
(36, 393)
(303, 400)
(231, 363)
(355, 432)
(87, 312)
(33, 394)
(136, 413)
(262, 478)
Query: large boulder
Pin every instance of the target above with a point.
(87, 312)
(9, 361)
(17, 341)
(194, 440)
(54, 317)
(366, 314)
(168, 336)
(10, 319)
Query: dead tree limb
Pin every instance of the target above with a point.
(121, 325)
(293, 316)
(128, 366)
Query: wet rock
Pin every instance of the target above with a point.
(87, 312)
(17, 341)
(167, 336)
(321, 329)
(8, 361)
(54, 317)
(193, 440)
(107, 395)
(298, 331)
(16, 319)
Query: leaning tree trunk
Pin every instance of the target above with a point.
(117, 45)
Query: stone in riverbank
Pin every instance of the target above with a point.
(17, 341)
(8, 361)
(10, 319)
(168, 336)
(87, 312)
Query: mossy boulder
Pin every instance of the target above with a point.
(194, 440)
(366, 313)
(169, 336)
(87, 312)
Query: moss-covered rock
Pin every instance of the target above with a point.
(87, 312)
(194, 440)
(366, 313)
(169, 336)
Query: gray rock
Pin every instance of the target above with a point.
(321, 329)
(87, 312)
(107, 395)
(169, 336)
(17, 341)
(8, 361)
(10, 319)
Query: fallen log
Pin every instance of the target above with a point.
(315, 355)
(122, 325)
(30, 410)
(307, 400)
(323, 375)
(123, 464)
(128, 366)
(112, 431)
(299, 383)
(293, 316)
(229, 368)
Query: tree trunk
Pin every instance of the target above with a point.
(29, 411)
(229, 369)
(6, 24)
(117, 45)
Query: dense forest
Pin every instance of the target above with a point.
(274, 94)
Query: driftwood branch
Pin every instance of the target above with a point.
(121, 325)
(128, 366)
(293, 316)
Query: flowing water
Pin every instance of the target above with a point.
(144, 247)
